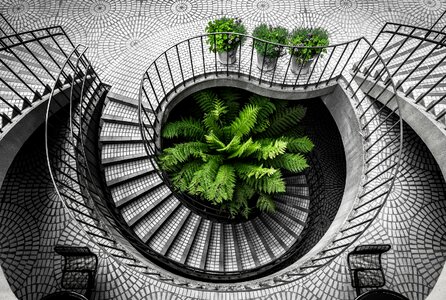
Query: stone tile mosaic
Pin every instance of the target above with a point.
(124, 37)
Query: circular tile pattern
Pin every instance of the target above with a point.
(23, 13)
(18, 9)
(433, 5)
(268, 11)
(19, 243)
(346, 5)
(100, 8)
(422, 13)
(181, 7)
(428, 239)
(177, 12)
(263, 5)
(123, 36)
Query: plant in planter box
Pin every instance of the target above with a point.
(267, 54)
(223, 43)
(302, 58)
(234, 154)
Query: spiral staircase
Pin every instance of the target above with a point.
(100, 148)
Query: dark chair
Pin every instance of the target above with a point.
(65, 295)
(381, 294)
(364, 264)
(79, 270)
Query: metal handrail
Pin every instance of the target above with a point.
(156, 91)
(27, 88)
(429, 49)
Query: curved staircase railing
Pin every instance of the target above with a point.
(416, 58)
(29, 64)
(193, 64)
(73, 166)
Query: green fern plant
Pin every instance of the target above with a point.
(235, 154)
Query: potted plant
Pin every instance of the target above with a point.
(268, 53)
(232, 152)
(223, 43)
(302, 58)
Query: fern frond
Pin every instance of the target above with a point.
(182, 178)
(243, 193)
(186, 128)
(214, 141)
(180, 153)
(284, 120)
(266, 203)
(205, 100)
(246, 120)
(231, 98)
(211, 124)
(302, 144)
(245, 149)
(267, 108)
(222, 189)
(289, 161)
(219, 110)
(245, 171)
(232, 145)
(271, 148)
(267, 184)
(204, 177)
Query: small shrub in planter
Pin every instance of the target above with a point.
(267, 54)
(225, 44)
(232, 153)
(306, 37)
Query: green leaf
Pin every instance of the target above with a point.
(181, 153)
(267, 184)
(266, 109)
(246, 120)
(289, 161)
(187, 128)
(222, 189)
(302, 144)
(213, 141)
(284, 120)
(246, 171)
(205, 100)
(245, 149)
(266, 203)
(203, 179)
(182, 178)
(271, 148)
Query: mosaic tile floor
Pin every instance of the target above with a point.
(32, 222)
(125, 36)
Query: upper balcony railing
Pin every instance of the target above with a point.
(29, 64)
(416, 58)
(190, 62)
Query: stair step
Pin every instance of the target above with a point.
(141, 206)
(163, 239)
(214, 259)
(128, 177)
(260, 246)
(120, 139)
(275, 243)
(231, 252)
(248, 259)
(195, 254)
(182, 243)
(158, 217)
(124, 158)
(139, 193)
